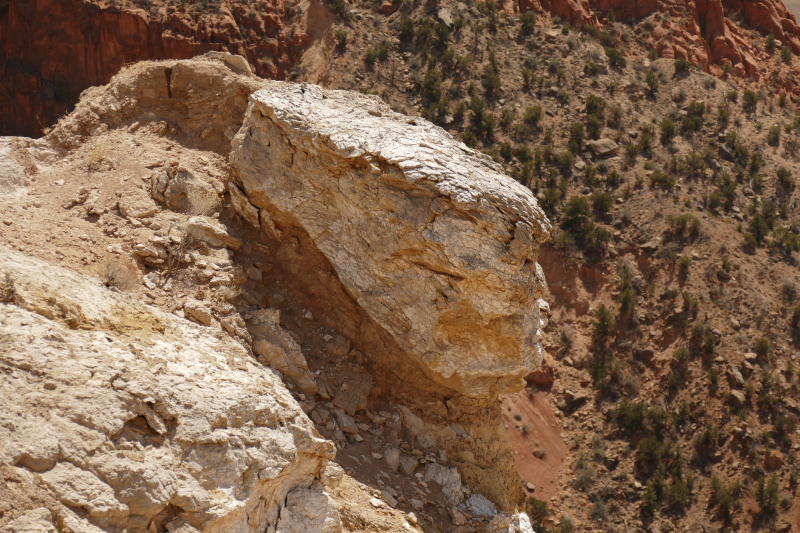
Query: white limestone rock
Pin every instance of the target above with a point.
(429, 236)
(125, 410)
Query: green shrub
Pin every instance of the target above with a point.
(631, 416)
(601, 201)
(774, 135)
(533, 115)
(616, 58)
(682, 66)
(767, 493)
(758, 227)
(663, 180)
(591, 69)
(771, 41)
(668, 131)
(683, 264)
(762, 347)
(432, 85)
(564, 161)
(725, 499)
(576, 136)
(341, 38)
(603, 324)
(528, 23)
(785, 181)
(750, 100)
(491, 79)
(786, 54)
(651, 79)
(538, 512)
(406, 32)
(627, 300)
(614, 179)
(707, 440)
(607, 371)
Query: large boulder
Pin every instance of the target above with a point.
(133, 417)
(428, 236)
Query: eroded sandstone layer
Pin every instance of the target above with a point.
(428, 236)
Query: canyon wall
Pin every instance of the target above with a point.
(707, 32)
(50, 51)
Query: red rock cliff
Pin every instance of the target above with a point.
(51, 50)
(707, 32)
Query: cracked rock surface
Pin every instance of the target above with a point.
(134, 418)
(429, 236)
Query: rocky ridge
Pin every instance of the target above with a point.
(175, 232)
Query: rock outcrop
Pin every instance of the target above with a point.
(122, 417)
(427, 235)
(227, 264)
(51, 51)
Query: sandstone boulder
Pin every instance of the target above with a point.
(132, 415)
(137, 204)
(429, 237)
(603, 147)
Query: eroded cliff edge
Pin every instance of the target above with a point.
(311, 289)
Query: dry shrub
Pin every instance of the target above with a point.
(120, 276)
(99, 160)
(230, 290)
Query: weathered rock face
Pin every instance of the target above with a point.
(428, 236)
(702, 31)
(50, 51)
(135, 419)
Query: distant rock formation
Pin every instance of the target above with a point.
(51, 51)
(703, 31)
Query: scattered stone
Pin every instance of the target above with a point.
(408, 464)
(211, 232)
(346, 422)
(738, 398)
(773, 460)
(457, 517)
(603, 147)
(197, 311)
(137, 204)
(352, 396)
(388, 498)
(479, 505)
(449, 479)
(254, 273)
(736, 376)
(375, 502)
(276, 348)
(392, 457)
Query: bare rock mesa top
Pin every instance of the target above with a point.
(428, 236)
